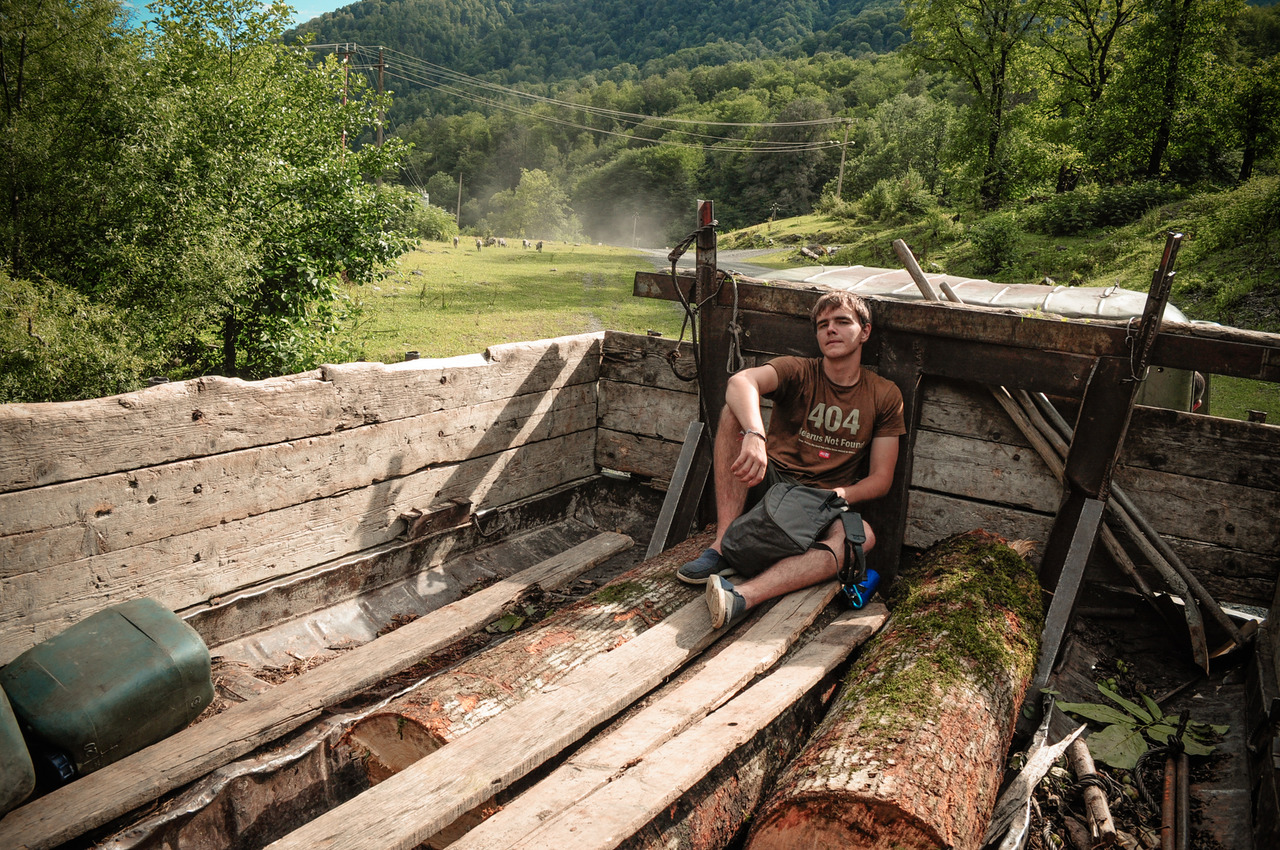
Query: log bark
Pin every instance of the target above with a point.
(455, 702)
(911, 754)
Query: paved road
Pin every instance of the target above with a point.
(733, 261)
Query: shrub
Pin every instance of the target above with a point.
(56, 345)
(995, 240)
(1091, 207)
(419, 218)
(898, 199)
(1248, 216)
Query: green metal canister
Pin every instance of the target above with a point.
(115, 682)
(17, 774)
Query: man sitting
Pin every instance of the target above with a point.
(835, 425)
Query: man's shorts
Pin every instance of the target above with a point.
(772, 475)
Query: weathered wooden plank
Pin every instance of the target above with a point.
(684, 496)
(377, 392)
(79, 519)
(986, 471)
(646, 411)
(673, 710)
(967, 410)
(933, 516)
(1204, 447)
(648, 361)
(97, 798)
(193, 568)
(409, 807)
(1219, 350)
(1209, 511)
(1231, 577)
(647, 456)
(645, 792)
(47, 443)
(441, 568)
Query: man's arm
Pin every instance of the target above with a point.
(742, 401)
(884, 457)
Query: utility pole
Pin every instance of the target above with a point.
(344, 56)
(382, 114)
(843, 148)
(457, 212)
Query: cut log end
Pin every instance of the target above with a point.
(870, 825)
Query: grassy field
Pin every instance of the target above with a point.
(444, 301)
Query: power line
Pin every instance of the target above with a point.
(454, 84)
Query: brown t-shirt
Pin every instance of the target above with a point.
(820, 433)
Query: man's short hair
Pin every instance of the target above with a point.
(838, 298)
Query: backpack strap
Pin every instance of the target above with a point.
(854, 571)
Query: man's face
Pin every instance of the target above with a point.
(841, 332)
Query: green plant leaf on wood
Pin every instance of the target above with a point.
(1130, 727)
(1117, 745)
(1095, 711)
(504, 624)
(1131, 707)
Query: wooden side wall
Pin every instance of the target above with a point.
(1204, 483)
(190, 492)
(645, 405)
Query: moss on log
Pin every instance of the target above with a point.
(911, 754)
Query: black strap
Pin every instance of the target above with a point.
(854, 571)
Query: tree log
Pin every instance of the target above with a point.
(911, 754)
(485, 685)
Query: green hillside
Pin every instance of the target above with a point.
(544, 40)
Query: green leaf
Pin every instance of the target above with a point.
(1161, 732)
(1118, 746)
(1100, 713)
(504, 624)
(1152, 706)
(1131, 707)
(1196, 748)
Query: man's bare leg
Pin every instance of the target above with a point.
(731, 498)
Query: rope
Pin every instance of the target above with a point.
(735, 333)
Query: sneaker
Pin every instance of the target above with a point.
(709, 563)
(725, 604)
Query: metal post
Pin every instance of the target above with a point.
(843, 148)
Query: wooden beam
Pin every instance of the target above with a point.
(688, 481)
(97, 798)
(418, 802)
(62, 441)
(1208, 348)
(650, 790)
(188, 569)
(675, 709)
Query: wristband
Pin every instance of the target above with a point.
(757, 433)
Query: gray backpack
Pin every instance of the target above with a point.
(790, 520)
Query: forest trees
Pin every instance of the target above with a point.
(981, 42)
(191, 180)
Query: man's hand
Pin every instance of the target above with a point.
(752, 460)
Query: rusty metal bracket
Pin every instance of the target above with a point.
(418, 523)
